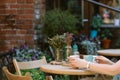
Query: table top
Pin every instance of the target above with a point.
(109, 52)
(64, 70)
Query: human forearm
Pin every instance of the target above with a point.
(109, 69)
(110, 62)
(103, 68)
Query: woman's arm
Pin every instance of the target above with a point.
(96, 67)
(109, 69)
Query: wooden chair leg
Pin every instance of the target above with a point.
(97, 76)
(49, 78)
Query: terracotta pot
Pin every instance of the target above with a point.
(105, 43)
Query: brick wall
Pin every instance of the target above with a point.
(16, 23)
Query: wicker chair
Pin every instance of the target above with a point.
(30, 65)
(11, 76)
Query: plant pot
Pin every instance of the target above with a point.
(93, 34)
(105, 43)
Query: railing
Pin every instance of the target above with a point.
(103, 5)
(96, 2)
(6, 59)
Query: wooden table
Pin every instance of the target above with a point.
(109, 52)
(112, 54)
(64, 70)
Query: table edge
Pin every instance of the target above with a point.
(66, 73)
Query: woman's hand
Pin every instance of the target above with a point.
(103, 60)
(77, 62)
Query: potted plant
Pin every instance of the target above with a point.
(57, 42)
(58, 22)
(95, 24)
(89, 46)
(24, 53)
(106, 38)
